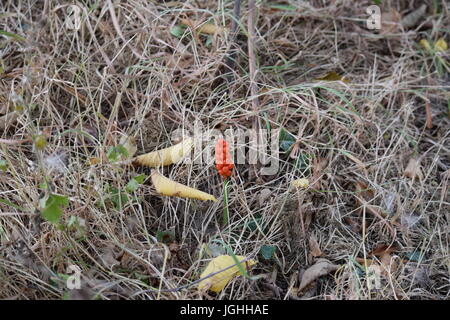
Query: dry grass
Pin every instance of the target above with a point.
(124, 74)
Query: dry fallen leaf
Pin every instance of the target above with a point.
(314, 247)
(384, 252)
(319, 166)
(364, 196)
(390, 22)
(171, 188)
(354, 226)
(414, 17)
(167, 156)
(413, 169)
(321, 268)
(219, 280)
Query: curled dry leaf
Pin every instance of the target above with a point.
(354, 226)
(171, 188)
(321, 268)
(319, 166)
(388, 263)
(222, 273)
(413, 169)
(314, 247)
(167, 156)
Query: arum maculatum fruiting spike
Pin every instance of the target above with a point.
(224, 163)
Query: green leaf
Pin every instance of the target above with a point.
(140, 178)
(267, 251)
(178, 31)
(415, 256)
(134, 183)
(9, 203)
(53, 207)
(132, 186)
(12, 35)
(3, 165)
(252, 225)
(287, 140)
(119, 198)
(377, 2)
(285, 7)
(165, 236)
(114, 152)
(303, 162)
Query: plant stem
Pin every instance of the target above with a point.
(226, 216)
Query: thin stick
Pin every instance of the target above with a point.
(226, 215)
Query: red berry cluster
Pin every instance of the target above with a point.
(224, 164)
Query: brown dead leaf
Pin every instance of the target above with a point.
(388, 263)
(411, 19)
(382, 250)
(354, 226)
(321, 268)
(319, 166)
(365, 262)
(413, 169)
(390, 22)
(363, 197)
(363, 191)
(314, 247)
